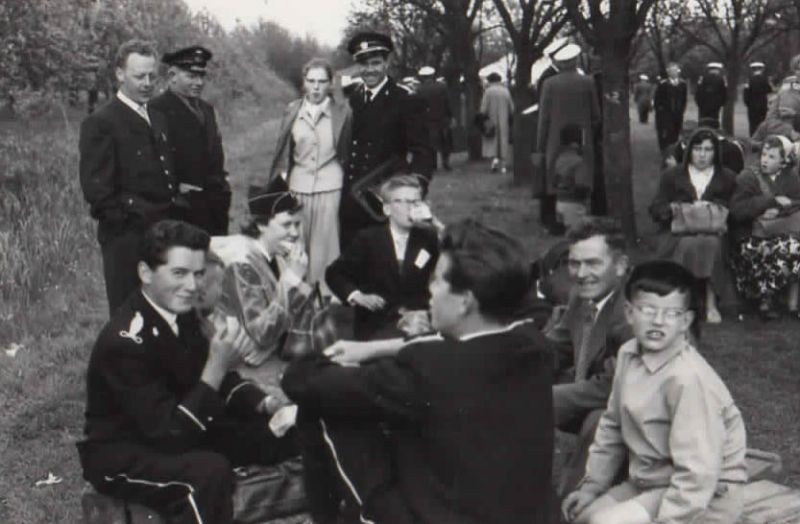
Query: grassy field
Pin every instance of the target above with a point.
(53, 305)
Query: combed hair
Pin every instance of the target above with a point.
(166, 234)
(318, 63)
(140, 47)
(398, 181)
(662, 277)
(606, 227)
(488, 263)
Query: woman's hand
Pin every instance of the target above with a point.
(297, 260)
(575, 503)
(783, 200)
(771, 213)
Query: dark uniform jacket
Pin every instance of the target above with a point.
(710, 95)
(144, 387)
(756, 92)
(199, 159)
(369, 265)
(390, 126)
(670, 100)
(126, 168)
(471, 425)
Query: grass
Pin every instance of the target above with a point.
(53, 304)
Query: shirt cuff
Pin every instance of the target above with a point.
(350, 297)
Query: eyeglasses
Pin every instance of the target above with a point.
(670, 314)
(405, 202)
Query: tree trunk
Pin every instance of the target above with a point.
(523, 131)
(732, 78)
(617, 165)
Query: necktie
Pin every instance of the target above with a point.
(582, 361)
(367, 96)
(143, 112)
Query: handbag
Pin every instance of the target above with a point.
(787, 224)
(699, 217)
(266, 493)
(313, 329)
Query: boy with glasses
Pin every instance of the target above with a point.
(387, 267)
(669, 413)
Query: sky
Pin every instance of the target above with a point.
(323, 19)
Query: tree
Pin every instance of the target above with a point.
(610, 27)
(536, 24)
(734, 31)
(663, 34)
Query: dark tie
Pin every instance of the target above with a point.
(583, 361)
(273, 265)
(367, 96)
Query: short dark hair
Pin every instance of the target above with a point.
(663, 277)
(140, 47)
(606, 227)
(166, 234)
(488, 263)
(494, 77)
(289, 204)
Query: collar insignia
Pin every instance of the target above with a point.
(136, 325)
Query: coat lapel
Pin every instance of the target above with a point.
(597, 337)
(337, 120)
(388, 250)
(135, 123)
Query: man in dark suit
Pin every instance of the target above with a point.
(166, 417)
(756, 93)
(388, 126)
(591, 329)
(438, 114)
(711, 92)
(453, 428)
(196, 141)
(386, 268)
(669, 102)
(126, 168)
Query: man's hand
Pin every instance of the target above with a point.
(414, 322)
(223, 353)
(771, 213)
(783, 200)
(575, 503)
(371, 302)
(274, 401)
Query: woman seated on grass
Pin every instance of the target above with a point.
(699, 180)
(669, 415)
(766, 264)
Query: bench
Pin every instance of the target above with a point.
(766, 502)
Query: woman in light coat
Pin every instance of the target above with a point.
(498, 107)
(312, 148)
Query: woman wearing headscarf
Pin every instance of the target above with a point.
(700, 179)
(312, 148)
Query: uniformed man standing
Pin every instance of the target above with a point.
(669, 102)
(388, 127)
(126, 170)
(438, 114)
(196, 141)
(755, 95)
(711, 93)
(643, 97)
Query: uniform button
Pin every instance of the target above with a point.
(210, 419)
(166, 171)
(162, 157)
(169, 186)
(173, 199)
(355, 142)
(130, 201)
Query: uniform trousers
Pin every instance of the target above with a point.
(187, 485)
(120, 258)
(207, 210)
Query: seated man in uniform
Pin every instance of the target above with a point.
(386, 268)
(590, 330)
(467, 412)
(166, 419)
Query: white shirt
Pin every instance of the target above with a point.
(400, 241)
(599, 305)
(140, 109)
(700, 179)
(373, 92)
(170, 317)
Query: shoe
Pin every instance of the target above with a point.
(495, 165)
(503, 170)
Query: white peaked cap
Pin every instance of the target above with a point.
(568, 52)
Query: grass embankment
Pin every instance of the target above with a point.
(52, 302)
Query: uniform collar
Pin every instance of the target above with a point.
(170, 317)
(375, 91)
(488, 332)
(128, 101)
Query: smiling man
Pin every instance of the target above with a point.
(197, 144)
(388, 125)
(126, 168)
(166, 418)
(591, 330)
